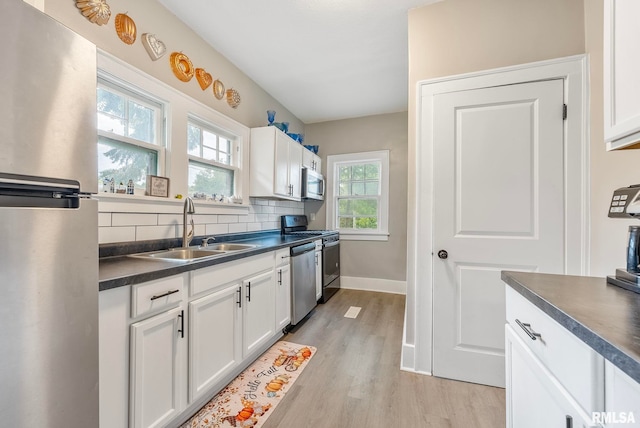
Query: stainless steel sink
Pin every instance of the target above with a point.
(193, 253)
(181, 254)
(229, 247)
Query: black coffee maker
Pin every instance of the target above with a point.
(625, 203)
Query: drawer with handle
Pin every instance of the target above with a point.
(578, 367)
(156, 295)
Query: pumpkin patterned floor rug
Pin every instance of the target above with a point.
(251, 397)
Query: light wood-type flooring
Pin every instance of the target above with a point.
(354, 380)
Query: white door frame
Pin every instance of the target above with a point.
(418, 328)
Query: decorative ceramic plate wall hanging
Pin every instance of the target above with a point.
(154, 47)
(96, 11)
(125, 28)
(233, 98)
(181, 66)
(204, 78)
(218, 89)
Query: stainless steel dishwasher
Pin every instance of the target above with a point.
(303, 281)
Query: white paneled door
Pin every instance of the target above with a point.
(497, 205)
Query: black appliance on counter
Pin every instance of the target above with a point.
(625, 203)
(297, 225)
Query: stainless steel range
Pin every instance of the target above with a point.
(297, 225)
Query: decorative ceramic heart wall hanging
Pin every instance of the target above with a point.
(154, 47)
(204, 79)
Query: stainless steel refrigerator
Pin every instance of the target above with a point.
(48, 223)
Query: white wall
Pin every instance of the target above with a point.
(151, 17)
(386, 260)
(609, 170)
(462, 36)
(134, 219)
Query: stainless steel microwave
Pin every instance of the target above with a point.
(312, 185)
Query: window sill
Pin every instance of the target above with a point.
(346, 236)
(118, 202)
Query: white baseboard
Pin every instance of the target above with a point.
(373, 284)
(408, 360)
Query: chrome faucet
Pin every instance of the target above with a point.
(188, 209)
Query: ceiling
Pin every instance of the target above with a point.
(321, 59)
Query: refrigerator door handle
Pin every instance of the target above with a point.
(11, 180)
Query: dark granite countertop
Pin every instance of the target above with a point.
(116, 269)
(605, 317)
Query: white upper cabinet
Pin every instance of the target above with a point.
(621, 71)
(276, 163)
(311, 160)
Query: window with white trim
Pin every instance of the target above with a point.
(358, 203)
(130, 134)
(213, 160)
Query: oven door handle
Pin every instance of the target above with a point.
(331, 244)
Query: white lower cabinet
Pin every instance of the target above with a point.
(535, 398)
(283, 290)
(622, 399)
(156, 364)
(258, 311)
(553, 378)
(166, 346)
(215, 328)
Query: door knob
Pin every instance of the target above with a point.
(443, 254)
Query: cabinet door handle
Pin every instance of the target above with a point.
(569, 422)
(239, 301)
(316, 259)
(168, 293)
(527, 329)
(279, 276)
(249, 291)
(181, 330)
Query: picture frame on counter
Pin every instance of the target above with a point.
(157, 186)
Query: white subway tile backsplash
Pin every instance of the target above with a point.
(206, 218)
(116, 234)
(216, 229)
(252, 227)
(237, 227)
(156, 232)
(199, 229)
(134, 219)
(283, 210)
(225, 218)
(166, 219)
(250, 218)
(263, 215)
